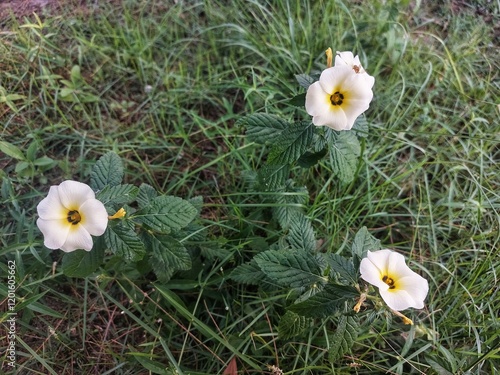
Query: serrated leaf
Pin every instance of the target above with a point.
(294, 269)
(310, 159)
(364, 241)
(344, 337)
(292, 143)
(82, 263)
(248, 273)
(124, 242)
(263, 128)
(197, 203)
(301, 234)
(305, 80)
(120, 194)
(108, 170)
(343, 267)
(145, 195)
(291, 325)
(344, 154)
(273, 177)
(361, 127)
(289, 202)
(168, 255)
(11, 150)
(167, 213)
(326, 302)
(298, 100)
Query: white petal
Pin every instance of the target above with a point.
(399, 300)
(317, 100)
(358, 86)
(372, 274)
(78, 238)
(55, 232)
(334, 118)
(94, 217)
(416, 286)
(50, 207)
(344, 58)
(332, 79)
(397, 268)
(380, 259)
(73, 193)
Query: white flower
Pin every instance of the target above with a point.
(339, 97)
(398, 285)
(69, 215)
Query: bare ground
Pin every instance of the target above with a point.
(21, 8)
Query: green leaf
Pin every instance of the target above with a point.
(343, 267)
(124, 242)
(326, 302)
(364, 241)
(273, 177)
(305, 80)
(152, 366)
(40, 308)
(289, 203)
(344, 153)
(11, 150)
(119, 194)
(310, 159)
(146, 194)
(298, 100)
(248, 273)
(168, 256)
(292, 143)
(301, 234)
(292, 269)
(167, 213)
(82, 263)
(291, 325)
(344, 337)
(263, 128)
(361, 127)
(76, 75)
(44, 161)
(108, 170)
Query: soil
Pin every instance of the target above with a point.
(22, 8)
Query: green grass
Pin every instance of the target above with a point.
(427, 184)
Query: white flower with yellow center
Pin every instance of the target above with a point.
(339, 97)
(398, 285)
(69, 215)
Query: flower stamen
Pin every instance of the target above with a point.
(336, 98)
(389, 281)
(74, 217)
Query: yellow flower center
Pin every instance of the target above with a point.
(74, 217)
(336, 98)
(389, 281)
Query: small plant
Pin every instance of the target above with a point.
(133, 223)
(324, 285)
(28, 165)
